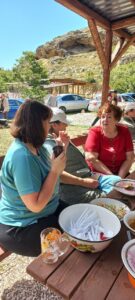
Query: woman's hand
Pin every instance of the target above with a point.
(59, 163)
(92, 157)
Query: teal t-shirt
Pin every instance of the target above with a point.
(23, 173)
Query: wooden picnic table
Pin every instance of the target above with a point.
(83, 276)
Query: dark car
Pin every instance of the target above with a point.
(14, 104)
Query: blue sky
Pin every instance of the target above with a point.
(27, 24)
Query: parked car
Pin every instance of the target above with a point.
(124, 97)
(70, 102)
(14, 104)
(94, 104)
(130, 94)
(122, 100)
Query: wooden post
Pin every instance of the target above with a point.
(104, 54)
(106, 69)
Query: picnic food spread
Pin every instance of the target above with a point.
(118, 211)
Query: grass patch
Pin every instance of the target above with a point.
(6, 138)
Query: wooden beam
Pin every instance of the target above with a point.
(106, 71)
(121, 52)
(117, 48)
(108, 46)
(85, 12)
(97, 42)
(123, 34)
(123, 23)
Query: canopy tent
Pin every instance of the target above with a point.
(116, 17)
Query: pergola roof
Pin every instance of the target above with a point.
(117, 14)
(68, 81)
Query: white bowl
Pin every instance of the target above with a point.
(127, 220)
(108, 220)
(115, 206)
(129, 246)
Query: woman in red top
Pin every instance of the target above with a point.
(109, 147)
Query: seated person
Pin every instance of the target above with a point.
(109, 147)
(82, 186)
(30, 182)
(129, 118)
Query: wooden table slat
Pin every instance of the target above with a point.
(41, 271)
(103, 274)
(122, 288)
(69, 275)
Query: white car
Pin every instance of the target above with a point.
(94, 105)
(122, 101)
(69, 102)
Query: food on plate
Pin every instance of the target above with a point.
(129, 186)
(132, 223)
(118, 211)
(131, 257)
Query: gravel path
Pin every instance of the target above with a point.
(16, 284)
(82, 118)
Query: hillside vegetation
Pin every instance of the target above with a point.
(73, 55)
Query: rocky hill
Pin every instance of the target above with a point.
(74, 55)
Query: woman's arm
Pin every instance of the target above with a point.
(124, 169)
(92, 157)
(68, 178)
(37, 201)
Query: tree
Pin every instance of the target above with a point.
(123, 78)
(90, 77)
(6, 76)
(30, 72)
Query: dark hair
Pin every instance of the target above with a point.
(28, 122)
(108, 108)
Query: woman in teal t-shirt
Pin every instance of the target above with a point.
(29, 182)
